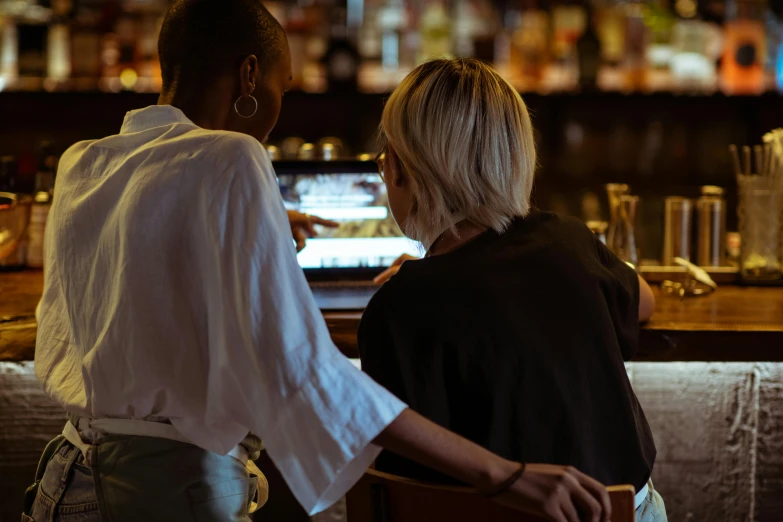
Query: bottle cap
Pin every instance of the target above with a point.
(273, 152)
(711, 190)
(306, 152)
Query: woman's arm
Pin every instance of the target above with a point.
(557, 493)
(646, 301)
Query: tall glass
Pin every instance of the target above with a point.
(759, 224)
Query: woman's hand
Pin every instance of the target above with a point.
(559, 493)
(393, 269)
(303, 226)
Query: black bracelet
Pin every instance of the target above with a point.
(503, 486)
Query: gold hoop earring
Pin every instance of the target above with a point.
(255, 108)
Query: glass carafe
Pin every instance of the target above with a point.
(621, 237)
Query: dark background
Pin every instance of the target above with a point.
(660, 144)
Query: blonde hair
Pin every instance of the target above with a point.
(465, 141)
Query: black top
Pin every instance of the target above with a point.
(517, 341)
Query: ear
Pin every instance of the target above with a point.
(248, 74)
(397, 176)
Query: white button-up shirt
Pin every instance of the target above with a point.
(172, 290)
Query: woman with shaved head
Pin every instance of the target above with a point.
(177, 329)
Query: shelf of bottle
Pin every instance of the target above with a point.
(128, 82)
(374, 79)
(363, 92)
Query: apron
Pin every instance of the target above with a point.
(149, 470)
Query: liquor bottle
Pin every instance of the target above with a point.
(8, 174)
(320, 21)
(610, 24)
(486, 27)
(127, 32)
(742, 66)
(660, 22)
(529, 47)
(502, 45)
(32, 38)
(149, 64)
(635, 65)
(435, 31)
(392, 21)
(779, 68)
(693, 69)
(341, 58)
(464, 27)
(47, 167)
(86, 46)
(588, 48)
(774, 32)
(9, 52)
(297, 32)
(42, 202)
(36, 229)
(568, 24)
(110, 62)
(58, 55)
(370, 42)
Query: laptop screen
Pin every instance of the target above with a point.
(352, 194)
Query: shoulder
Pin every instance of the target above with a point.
(72, 160)
(557, 230)
(376, 309)
(75, 152)
(400, 299)
(389, 299)
(235, 142)
(232, 150)
(556, 223)
(553, 245)
(232, 163)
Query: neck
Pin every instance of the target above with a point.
(453, 239)
(197, 107)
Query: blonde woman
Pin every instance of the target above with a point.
(512, 331)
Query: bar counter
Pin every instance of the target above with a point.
(732, 324)
(715, 408)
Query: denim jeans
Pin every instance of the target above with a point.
(66, 492)
(652, 509)
(132, 478)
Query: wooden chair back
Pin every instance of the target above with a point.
(381, 497)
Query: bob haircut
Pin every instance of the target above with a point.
(465, 141)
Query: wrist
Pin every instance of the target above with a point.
(507, 483)
(496, 474)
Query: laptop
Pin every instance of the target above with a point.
(341, 263)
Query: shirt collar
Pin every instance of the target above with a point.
(151, 117)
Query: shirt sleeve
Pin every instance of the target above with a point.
(272, 367)
(620, 286)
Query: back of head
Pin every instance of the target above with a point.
(465, 140)
(202, 39)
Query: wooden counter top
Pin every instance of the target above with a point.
(732, 324)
